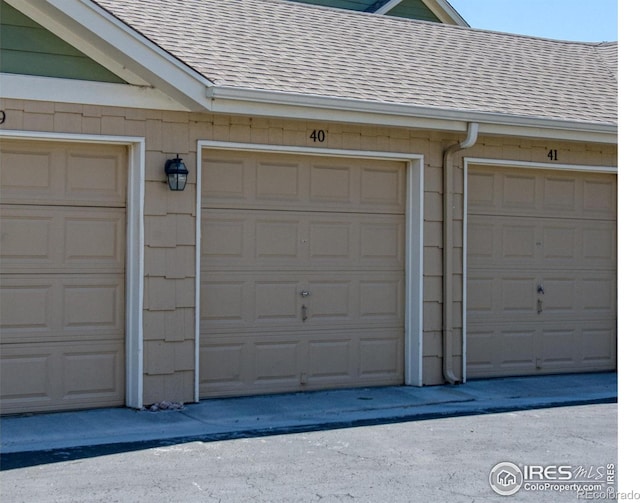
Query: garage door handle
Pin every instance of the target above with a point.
(304, 312)
(539, 306)
(305, 293)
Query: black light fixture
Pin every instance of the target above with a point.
(176, 172)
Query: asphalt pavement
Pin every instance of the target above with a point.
(38, 438)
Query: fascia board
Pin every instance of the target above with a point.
(289, 105)
(388, 6)
(30, 87)
(118, 47)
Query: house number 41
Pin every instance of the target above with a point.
(553, 155)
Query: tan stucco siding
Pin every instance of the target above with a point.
(170, 218)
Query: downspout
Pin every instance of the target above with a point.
(447, 253)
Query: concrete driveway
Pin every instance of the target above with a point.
(437, 460)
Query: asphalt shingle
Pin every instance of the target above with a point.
(275, 45)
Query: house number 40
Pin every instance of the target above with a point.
(318, 135)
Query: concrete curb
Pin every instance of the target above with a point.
(45, 438)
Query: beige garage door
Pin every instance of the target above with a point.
(541, 287)
(62, 275)
(302, 273)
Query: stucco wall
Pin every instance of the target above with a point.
(170, 218)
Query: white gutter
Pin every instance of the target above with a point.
(447, 253)
(305, 106)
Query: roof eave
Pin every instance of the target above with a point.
(119, 48)
(291, 105)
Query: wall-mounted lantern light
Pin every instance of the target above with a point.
(176, 172)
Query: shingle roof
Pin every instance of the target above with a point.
(283, 46)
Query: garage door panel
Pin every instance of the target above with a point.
(62, 288)
(492, 294)
(331, 184)
(302, 272)
(515, 353)
(599, 244)
(95, 174)
(600, 197)
(380, 358)
(382, 187)
(276, 301)
(277, 362)
(332, 360)
(514, 242)
(61, 307)
(60, 240)
(221, 363)
(248, 299)
(541, 272)
(598, 344)
(277, 238)
(559, 193)
(332, 239)
(501, 295)
(251, 240)
(381, 299)
(333, 300)
(518, 296)
(559, 348)
(281, 181)
(26, 239)
(64, 174)
(28, 183)
(518, 191)
(95, 240)
(27, 305)
(41, 377)
(94, 305)
(247, 364)
(505, 191)
(598, 295)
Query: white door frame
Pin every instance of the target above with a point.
(414, 235)
(134, 271)
(478, 161)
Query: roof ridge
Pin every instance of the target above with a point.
(606, 63)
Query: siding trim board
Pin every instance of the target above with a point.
(28, 87)
(413, 247)
(235, 100)
(134, 248)
(476, 161)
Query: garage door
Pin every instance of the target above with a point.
(62, 275)
(541, 273)
(302, 273)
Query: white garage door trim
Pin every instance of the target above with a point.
(477, 161)
(135, 246)
(414, 216)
